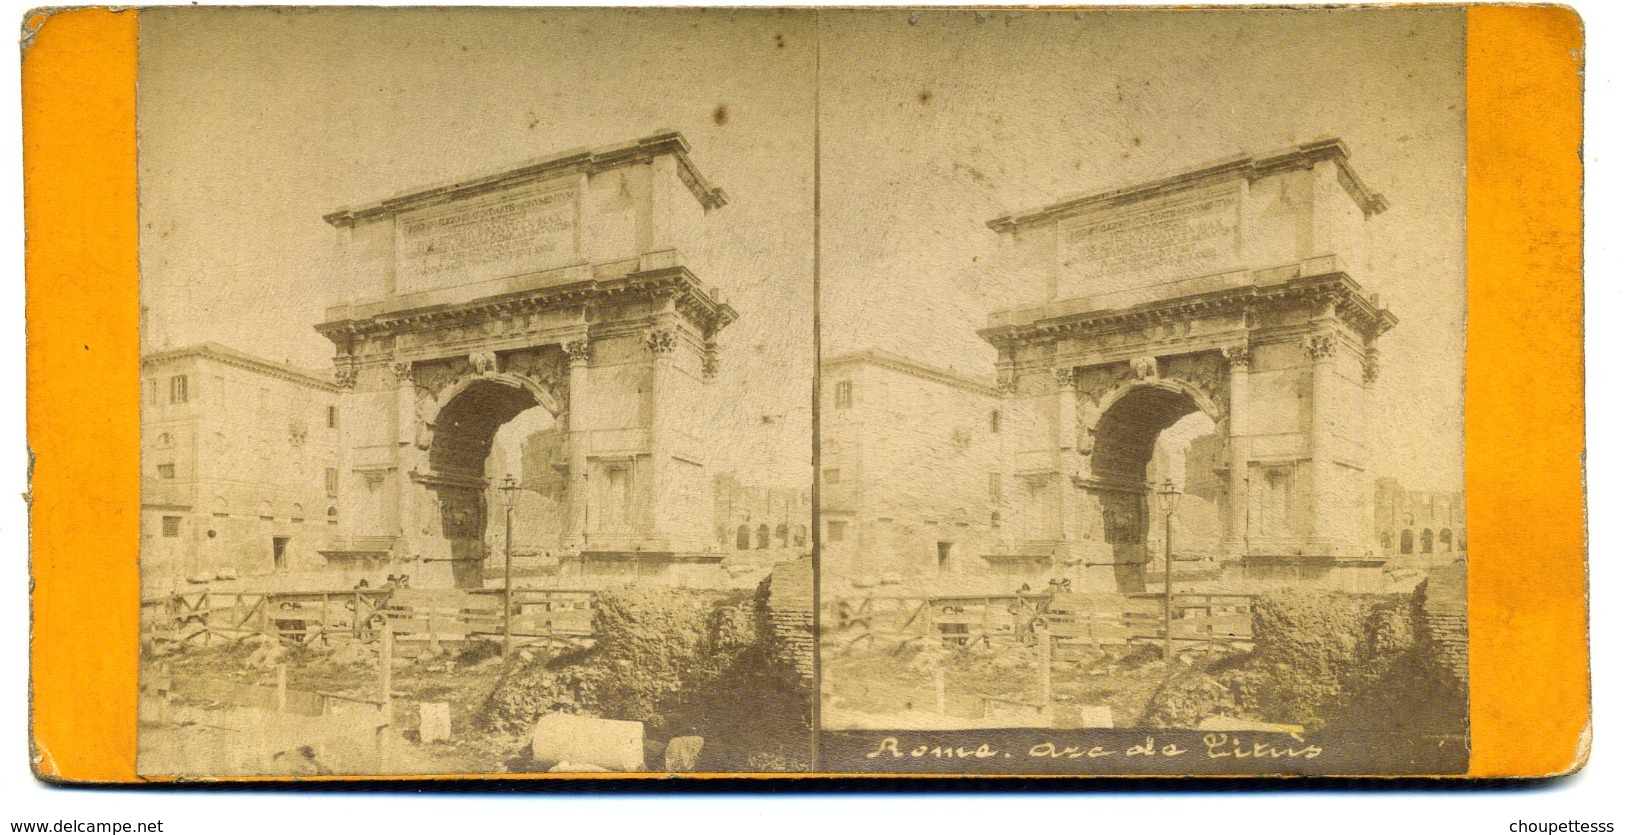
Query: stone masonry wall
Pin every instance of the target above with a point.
(785, 599)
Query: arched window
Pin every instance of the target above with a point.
(782, 535)
(165, 440)
(742, 538)
(220, 505)
(265, 510)
(801, 536)
(1427, 540)
(1444, 541)
(332, 515)
(1406, 542)
(298, 512)
(1387, 540)
(761, 536)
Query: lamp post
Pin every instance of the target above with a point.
(1168, 500)
(509, 487)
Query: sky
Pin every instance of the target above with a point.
(933, 124)
(253, 123)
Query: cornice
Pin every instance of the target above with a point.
(912, 368)
(689, 297)
(1335, 288)
(1240, 167)
(233, 357)
(580, 160)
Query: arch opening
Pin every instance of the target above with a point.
(490, 429)
(1150, 434)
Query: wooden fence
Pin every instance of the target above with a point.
(1211, 622)
(418, 618)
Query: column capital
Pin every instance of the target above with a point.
(660, 340)
(1007, 380)
(1319, 346)
(1240, 356)
(578, 350)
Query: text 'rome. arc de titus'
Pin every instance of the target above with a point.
(1234, 290)
(560, 283)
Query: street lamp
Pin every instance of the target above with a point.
(509, 487)
(1168, 501)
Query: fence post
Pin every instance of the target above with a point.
(386, 660)
(1041, 630)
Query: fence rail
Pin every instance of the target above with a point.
(418, 618)
(1200, 620)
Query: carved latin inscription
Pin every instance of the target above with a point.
(485, 237)
(1183, 240)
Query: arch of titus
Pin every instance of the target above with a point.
(561, 283)
(1234, 290)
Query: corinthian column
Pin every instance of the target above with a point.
(579, 352)
(1240, 359)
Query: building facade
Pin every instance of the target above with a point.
(239, 465)
(911, 479)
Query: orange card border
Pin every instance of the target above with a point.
(1525, 393)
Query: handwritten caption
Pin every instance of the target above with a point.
(1214, 746)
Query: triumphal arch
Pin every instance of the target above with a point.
(1235, 290)
(566, 283)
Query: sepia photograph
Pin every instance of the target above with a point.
(476, 367)
(1141, 440)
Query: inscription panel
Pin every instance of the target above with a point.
(1142, 246)
(486, 237)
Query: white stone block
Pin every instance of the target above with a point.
(614, 744)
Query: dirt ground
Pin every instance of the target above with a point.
(984, 687)
(463, 682)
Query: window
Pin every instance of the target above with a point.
(995, 488)
(332, 481)
(298, 512)
(332, 417)
(1444, 541)
(177, 389)
(172, 526)
(166, 471)
(801, 535)
(152, 392)
(265, 510)
(843, 394)
(832, 476)
(332, 516)
(781, 535)
(761, 536)
(1407, 541)
(742, 540)
(1427, 540)
(993, 418)
(165, 440)
(837, 531)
